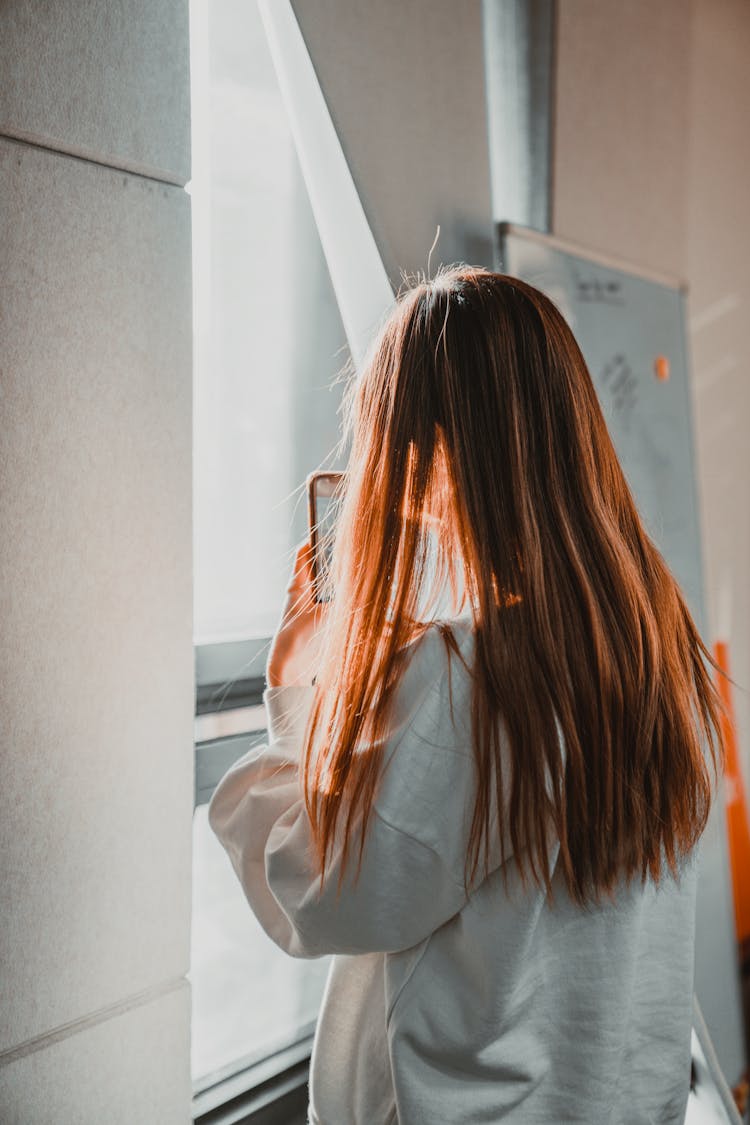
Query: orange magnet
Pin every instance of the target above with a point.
(661, 368)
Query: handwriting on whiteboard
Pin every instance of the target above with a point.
(621, 385)
(592, 288)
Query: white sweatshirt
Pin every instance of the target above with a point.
(440, 1010)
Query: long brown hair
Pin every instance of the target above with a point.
(476, 407)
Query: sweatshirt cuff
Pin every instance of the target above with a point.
(287, 709)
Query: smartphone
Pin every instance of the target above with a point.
(323, 500)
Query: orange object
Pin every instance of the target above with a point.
(661, 368)
(738, 829)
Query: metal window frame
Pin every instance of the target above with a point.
(229, 684)
(247, 1090)
(229, 674)
(266, 1088)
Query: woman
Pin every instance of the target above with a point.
(507, 726)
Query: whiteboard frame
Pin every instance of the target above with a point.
(598, 257)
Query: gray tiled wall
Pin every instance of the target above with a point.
(107, 81)
(96, 661)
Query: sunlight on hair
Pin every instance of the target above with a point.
(482, 478)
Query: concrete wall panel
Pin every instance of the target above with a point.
(131, 1068)
(621, 129)
(719, 271)
(404, 84)
(105, 81)
(96, 667)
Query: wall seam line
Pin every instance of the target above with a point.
(83, 1023)
(30, 141)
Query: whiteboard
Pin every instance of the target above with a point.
(630, 327)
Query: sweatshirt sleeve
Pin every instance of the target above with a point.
(409, 882)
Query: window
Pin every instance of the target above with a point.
(269, 343)
(268, 336)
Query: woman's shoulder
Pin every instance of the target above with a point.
(437, 666)
(440, 642)
(427, 785)
(433, 697)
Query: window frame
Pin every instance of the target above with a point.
(244, 1091)
(229, 684)
(229, 681)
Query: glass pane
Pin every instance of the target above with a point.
(249, 998)
(268, 345)
(268, 336)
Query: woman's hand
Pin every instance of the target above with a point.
(295, 648)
